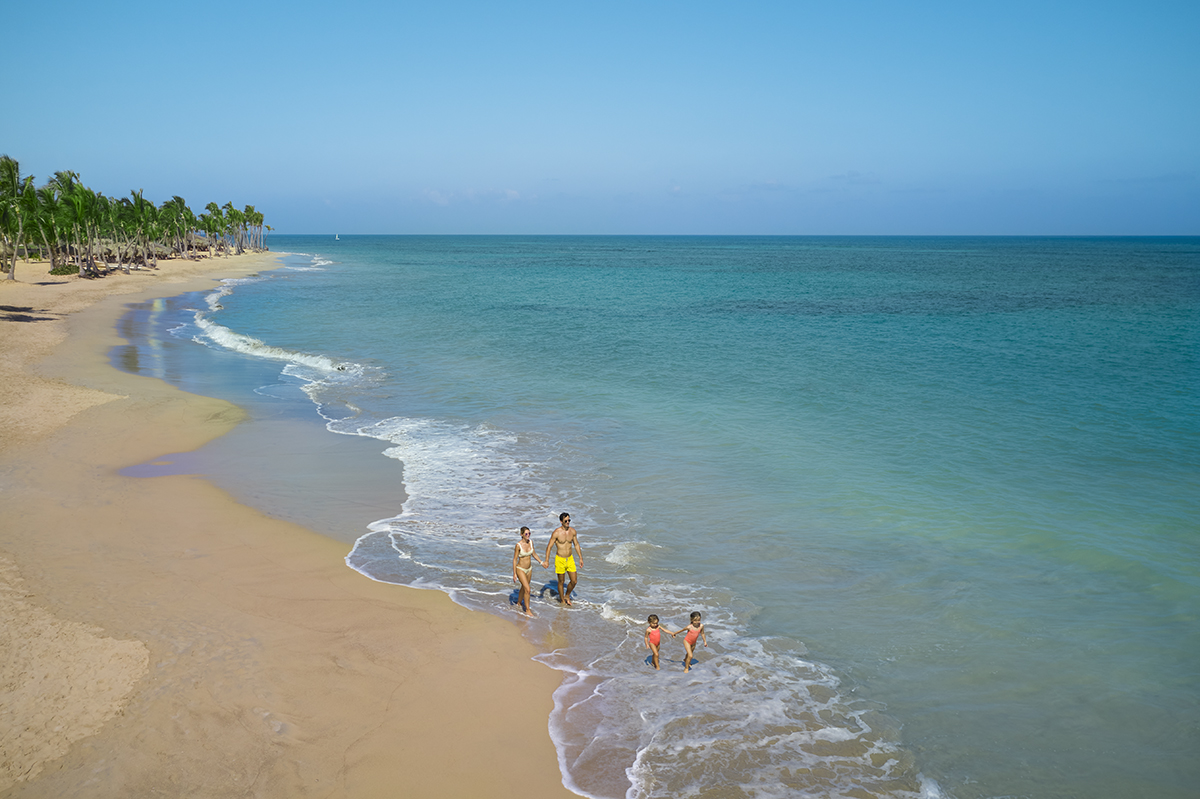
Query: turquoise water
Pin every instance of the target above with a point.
(937, 498)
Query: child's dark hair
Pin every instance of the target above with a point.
(695, 615)
(652, 618)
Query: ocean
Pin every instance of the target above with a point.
(937, 499)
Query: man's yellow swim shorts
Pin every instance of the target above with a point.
(563, 565)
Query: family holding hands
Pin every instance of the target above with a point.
(565, 542)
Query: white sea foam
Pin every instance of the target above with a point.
(213, 300)
(610, 613)
(214, 333)
(316, 264)
(627, 554)
(248, 345)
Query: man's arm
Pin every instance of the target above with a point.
(578, 547)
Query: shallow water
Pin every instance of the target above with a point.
(936, 497)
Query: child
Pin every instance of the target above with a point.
(653, 636)
(694, 630)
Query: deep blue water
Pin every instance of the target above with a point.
(937, 498)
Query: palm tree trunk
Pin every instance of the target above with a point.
(12, 269)
(49, 249)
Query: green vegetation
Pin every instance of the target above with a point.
(83, 232)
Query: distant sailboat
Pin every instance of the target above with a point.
(336, 237)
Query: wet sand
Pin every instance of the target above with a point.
(157, 637)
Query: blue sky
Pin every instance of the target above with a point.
(622, 117)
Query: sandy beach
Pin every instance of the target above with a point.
(158, 638)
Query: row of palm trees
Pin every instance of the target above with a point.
(82, 230)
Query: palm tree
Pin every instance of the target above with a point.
(155, 230)
(89, 203)
(178, 221)
(117, 217)
(79, 201)
(10, 186)
(190, 225)
(47, 221)
(61, 186)
(251, 234)
(210, 226)
(145, 220)
(219, 224)
(237, 225)
(18, 204)
(101, 214)
(255, 220)
(27, 213)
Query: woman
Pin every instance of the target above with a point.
(523, 559)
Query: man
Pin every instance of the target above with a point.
(565, 538)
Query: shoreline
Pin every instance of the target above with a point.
(163, 637)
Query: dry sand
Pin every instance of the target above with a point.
(157, 638)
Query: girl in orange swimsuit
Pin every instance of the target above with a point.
(653, 636)
(694, 630)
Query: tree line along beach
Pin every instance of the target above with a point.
(82, 231)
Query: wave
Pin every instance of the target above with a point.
(248, 345)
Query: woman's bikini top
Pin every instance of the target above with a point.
(522, 553)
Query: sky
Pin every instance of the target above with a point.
(626, 117)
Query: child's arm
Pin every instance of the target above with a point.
(646, 638)
(703, 635)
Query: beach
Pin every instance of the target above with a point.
(158, 637)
